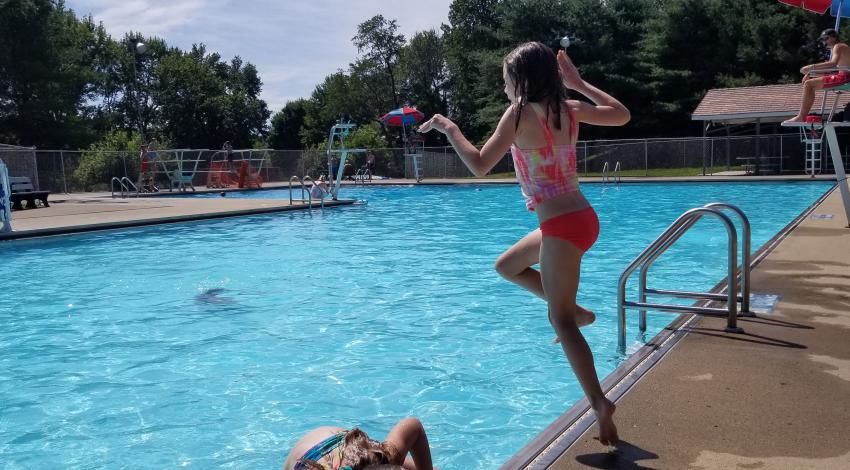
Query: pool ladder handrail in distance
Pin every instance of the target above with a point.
(301, 183)
(125, 185)
(675, 231)
(309, 191)
(616, 173)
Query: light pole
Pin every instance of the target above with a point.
(139, 48)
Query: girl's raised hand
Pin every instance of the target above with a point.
(569, 72)
(438, 123)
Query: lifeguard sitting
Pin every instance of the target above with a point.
(839, 58)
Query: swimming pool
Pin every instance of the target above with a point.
(356, 315)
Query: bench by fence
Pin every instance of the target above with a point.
(22, 190)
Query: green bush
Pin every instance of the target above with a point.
(107, 158)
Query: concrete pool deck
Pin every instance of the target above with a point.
(72, 213)
(774, 397)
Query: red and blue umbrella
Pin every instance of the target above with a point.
(838, 8)
(402, 117)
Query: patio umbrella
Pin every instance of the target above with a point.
(403, 117)
(838, 8)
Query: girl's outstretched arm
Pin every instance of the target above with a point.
(606, 110)
(408, 435)
(479, 162)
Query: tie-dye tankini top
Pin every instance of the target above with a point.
(547, 172)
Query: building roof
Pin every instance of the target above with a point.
(770, 103)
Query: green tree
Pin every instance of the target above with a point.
(470, 39)
(286, 126)
(203, 101)
(379, 42)
(47, 72)
(425, 73)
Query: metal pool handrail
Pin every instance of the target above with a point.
(675, 231)
(291, 179)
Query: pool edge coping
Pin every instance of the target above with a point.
(105, 226)
(555, 439)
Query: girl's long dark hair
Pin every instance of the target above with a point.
(537, 79)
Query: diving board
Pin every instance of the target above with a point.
(339, 132)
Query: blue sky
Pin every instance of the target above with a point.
(294, 44)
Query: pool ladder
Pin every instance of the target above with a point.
(673, 233)
(125, 185)
(301, 182)
(606, 177)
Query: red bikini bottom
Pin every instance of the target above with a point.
(581, 228)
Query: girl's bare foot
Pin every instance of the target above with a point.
(605, 419)
(584, 317)
(797, 118)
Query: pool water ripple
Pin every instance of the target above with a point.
(356, 316)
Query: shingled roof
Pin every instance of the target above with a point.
(770, 103)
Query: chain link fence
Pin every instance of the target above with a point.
(82, 171)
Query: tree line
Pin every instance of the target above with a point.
(66, 84)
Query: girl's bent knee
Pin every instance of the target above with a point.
(563, 319)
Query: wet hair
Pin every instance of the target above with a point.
(534, 70)
(829, 32)
(358, 452)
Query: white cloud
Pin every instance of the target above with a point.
(294, 44)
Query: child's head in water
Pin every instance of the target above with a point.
(358, 452)
(532, 76)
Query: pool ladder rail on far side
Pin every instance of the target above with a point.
(673, 233)
(126, 187)
(304, 190)
(606, 177)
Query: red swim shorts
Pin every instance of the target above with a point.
(581, 228)
(836, 79)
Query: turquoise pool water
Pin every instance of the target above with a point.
(358, 315)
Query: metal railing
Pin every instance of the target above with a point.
(673, 233)
(126, 187)
(608, 175)
(302, 182)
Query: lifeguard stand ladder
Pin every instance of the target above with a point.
(339, 131)
(812, 137)
(828, 127)
(417, 157)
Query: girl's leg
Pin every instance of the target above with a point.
(515, 265)
(560, 263)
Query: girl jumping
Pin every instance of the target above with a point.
(541, 128)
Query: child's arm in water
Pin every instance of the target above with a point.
(606, 110)
(480, 162)
(408, 435)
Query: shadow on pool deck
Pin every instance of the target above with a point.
(774, 397)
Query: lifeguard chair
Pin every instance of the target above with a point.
(817, 127)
